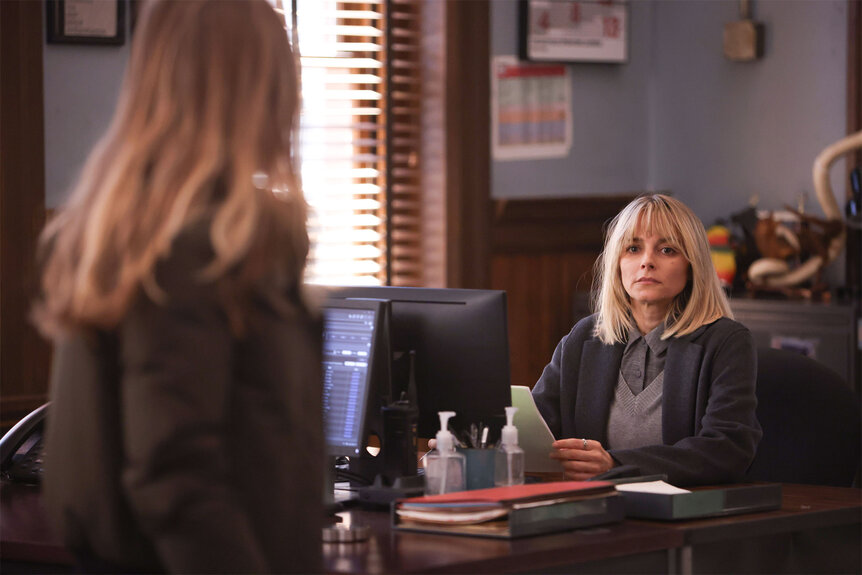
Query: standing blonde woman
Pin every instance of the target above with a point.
(659, 378)
(185, 429)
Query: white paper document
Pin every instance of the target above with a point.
(651, 487)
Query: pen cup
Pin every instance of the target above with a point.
(480, 467)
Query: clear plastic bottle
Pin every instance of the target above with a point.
(444, 467)
(509, 460)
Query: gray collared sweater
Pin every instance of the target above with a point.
(709, 428)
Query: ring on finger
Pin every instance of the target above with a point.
(585, 443)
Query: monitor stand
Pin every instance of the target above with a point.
(381, 493)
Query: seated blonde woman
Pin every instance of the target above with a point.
(660, 377)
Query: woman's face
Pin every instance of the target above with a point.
(653, 271)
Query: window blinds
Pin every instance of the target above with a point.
(404, 132)
(358, 138)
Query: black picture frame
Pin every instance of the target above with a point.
(90, 26)
(570, 43)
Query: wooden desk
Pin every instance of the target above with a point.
(25, 536)
(816, 530)
(626, 546)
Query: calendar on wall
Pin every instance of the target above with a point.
(574, 31)
(531, 109)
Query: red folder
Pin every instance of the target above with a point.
(518, 493)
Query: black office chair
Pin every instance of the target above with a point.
(810, 419)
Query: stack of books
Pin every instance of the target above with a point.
(508, 512)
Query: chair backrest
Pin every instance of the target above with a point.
(810, 419)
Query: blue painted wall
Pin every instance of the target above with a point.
(677, 116)
(725, 131)
(81, 85)
(680, 117)
(611, 120)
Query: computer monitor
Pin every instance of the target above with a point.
(460, 344)
(354, 384)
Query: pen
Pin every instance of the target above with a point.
(484, 437)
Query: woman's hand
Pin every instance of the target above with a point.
(581, 458)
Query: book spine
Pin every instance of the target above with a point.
(565, 515)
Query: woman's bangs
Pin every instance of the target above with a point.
(654, 221)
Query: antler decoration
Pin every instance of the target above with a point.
(771, 272)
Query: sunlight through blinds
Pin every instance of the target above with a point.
(359, 138)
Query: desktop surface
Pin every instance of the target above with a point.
(817, 529)
(642, 547)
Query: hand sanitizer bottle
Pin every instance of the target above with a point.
(444, 467)
(509, 461)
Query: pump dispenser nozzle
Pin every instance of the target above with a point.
(445, 441)
(445, 470)
(510, 432)
(509, 461)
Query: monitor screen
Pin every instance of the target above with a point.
(460, 344)
(351, 335)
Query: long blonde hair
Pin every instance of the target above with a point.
(209, 103)
(702, 301)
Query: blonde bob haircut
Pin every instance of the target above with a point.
(208, 106)
(701, 302)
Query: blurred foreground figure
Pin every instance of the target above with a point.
(185, 430)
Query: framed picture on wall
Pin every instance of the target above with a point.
(574, 31)
(86, 21)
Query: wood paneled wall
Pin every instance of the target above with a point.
(542, 253)
(24, 356)
(468, 129)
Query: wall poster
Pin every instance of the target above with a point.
(531, 110)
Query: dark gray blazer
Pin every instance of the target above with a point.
(174, 445)
(709, 428)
